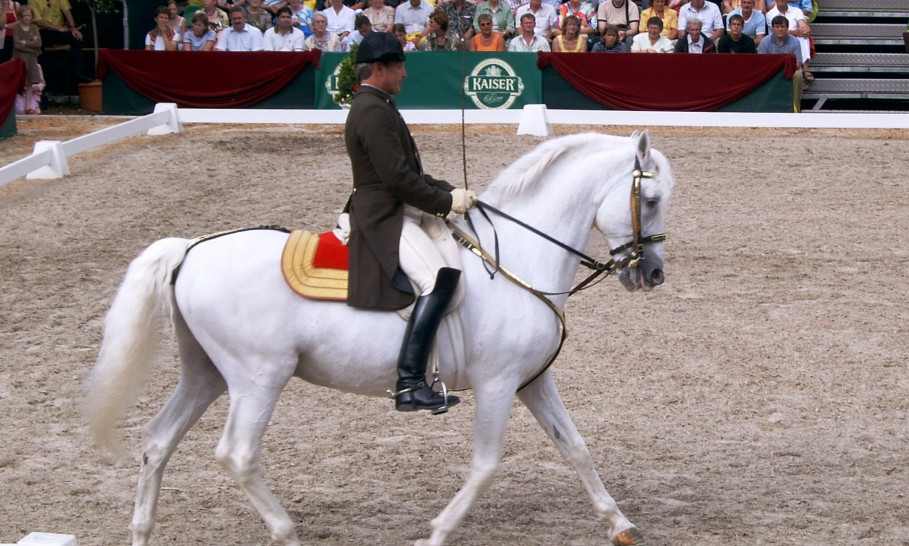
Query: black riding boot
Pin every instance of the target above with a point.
(413, 393)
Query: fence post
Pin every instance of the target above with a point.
(173, 122)
(57, 168)
(533, 121)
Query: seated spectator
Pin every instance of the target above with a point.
(283, 36)
(461, 14)
(271, 6)
(730, 6)
(653, 40)
(440, 37)
(301, 17)
(736, 41)
(544, 15)
(321, 38)
(609, 41)
(694, 40)
(414, 15)
(341, 20)
(176, 21)
(804, 5)
(8, 9)
(502, 17)
(27, 46)
(381, 16)
(780, 41)
(199, 37)
(624, 14)
(363, 27)
(486, 40)
(217, 19)
(528, 41)
(257, 16)
(570, 40)
(582, 11)
(707, 13)
(755, 24)
(240, 35)
(54, 19)
(668, 16)
(798, 27)
(400, 32)
(162, 37)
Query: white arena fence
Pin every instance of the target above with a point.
(49, 157)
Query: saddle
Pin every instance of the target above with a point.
(315, 265)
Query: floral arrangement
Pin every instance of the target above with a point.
(347, 79)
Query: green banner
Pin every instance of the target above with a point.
(450, 79)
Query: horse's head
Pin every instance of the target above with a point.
(631, 215)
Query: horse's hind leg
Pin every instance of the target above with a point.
(252, 401)
(200, 384)
(543, 400)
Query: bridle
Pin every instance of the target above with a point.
(631, 260)
(613, 265)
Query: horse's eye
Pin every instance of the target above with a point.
(652, 202)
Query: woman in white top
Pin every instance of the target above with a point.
(162, 37)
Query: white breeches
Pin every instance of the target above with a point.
(419, 256)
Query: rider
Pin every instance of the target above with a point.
(391, 198)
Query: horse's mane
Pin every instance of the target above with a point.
(527, 170)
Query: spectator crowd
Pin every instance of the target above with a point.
(574, 26)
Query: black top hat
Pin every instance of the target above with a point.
(379, 46)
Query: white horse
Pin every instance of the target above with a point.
(240, 328)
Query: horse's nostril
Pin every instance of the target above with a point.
(657, 276)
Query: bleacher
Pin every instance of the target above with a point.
(862, 62)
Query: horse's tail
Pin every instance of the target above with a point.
(131, 336)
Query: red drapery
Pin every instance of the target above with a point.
(12, 78)
(676, 82)
(220, 79)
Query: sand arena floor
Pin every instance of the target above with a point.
(758, 397)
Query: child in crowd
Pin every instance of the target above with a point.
(400, 32)
(27, 46)
(199, 37)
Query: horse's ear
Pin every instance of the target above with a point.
(643, 145)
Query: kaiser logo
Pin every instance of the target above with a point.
(331, 82)
(493, 84)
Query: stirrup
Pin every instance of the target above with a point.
(435, 411)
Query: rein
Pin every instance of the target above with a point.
(633, 259)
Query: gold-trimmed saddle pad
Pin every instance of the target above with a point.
(315, 265)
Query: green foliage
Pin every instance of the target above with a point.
(347, 79)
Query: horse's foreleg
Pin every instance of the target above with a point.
(238, 451)
(199, 386)
(543, 400)
(488, 436)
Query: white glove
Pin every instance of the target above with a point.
(461, 200)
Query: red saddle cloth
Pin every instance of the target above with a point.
(315, 265)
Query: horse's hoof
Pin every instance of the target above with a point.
(628, 537)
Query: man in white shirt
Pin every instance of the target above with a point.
(414, 15)
(528, 41)
(544, 15)
(283, 36)
(707, 13)
(240, 36)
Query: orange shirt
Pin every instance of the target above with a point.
(497, 44)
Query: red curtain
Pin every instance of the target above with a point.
(675, 82)
(220, 79)
(12, 78)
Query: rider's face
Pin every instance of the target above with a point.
(393, 74)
